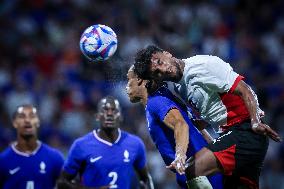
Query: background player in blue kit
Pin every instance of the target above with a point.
(169, 125)
(104, 158)
(28, 163)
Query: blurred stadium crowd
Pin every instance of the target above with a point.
(40, 62)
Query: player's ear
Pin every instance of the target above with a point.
(38, 123)
(139, 81)
(14, 124)
(97, 116)
(121, 118)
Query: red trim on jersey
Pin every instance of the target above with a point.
(238, 79)
(227, 159)
(248, 182)
(236, 109)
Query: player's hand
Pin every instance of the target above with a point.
(264, 129)
(178, 164)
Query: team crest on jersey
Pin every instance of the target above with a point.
(42, 167)
(126, 156)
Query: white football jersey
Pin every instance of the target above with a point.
(207, 84)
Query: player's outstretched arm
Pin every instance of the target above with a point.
(146, 181)
(251, 103)
(66, 182)
(175, 121)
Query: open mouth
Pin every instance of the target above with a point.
(28, 126)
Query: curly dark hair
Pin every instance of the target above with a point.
(143, 61)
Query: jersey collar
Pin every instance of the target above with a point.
(23, 153)
(107, 142)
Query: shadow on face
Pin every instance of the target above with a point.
(134, 87)
(109, 113)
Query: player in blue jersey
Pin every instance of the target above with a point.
(170, 128)
(105, 157)
(29, 163)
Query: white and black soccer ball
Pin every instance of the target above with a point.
(98, 42)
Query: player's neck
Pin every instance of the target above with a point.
(109, 135)
(27, 145)
(144, 99)
(181, 66)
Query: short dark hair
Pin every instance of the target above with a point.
(143, 61)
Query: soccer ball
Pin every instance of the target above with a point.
(98, 42)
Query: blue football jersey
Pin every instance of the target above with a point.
(101, 163)
(38, 170)
(158, 105)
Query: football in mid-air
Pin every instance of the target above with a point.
(98, 42)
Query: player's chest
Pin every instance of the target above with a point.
(111, 156)
(37, 167)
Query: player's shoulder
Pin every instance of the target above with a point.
(83, 139)
(51, 151)
(6, 153)
(207, 61)
(161, 93)
(131, 137)
(201, 58)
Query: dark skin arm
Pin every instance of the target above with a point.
(250, 101)
(176, 122)
(65, 182)
(146, 181)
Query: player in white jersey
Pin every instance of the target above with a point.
(222, 98)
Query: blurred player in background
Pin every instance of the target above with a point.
(28, 163)
(170, 128)
(222, 98)
(105, 158)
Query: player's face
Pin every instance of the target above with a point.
(165, 67)
(109, 113)
(133, 88)
(26, 121)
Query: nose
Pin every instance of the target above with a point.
(27, 119)
(109, 112)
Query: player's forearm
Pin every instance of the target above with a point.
(147, 183)
(181, 133)
(252, 106)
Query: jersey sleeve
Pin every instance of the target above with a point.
(216, 74)
(159, 106)
(74, 159)
(140, 160)
(58, 165)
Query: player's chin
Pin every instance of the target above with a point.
(110, 125)
(28, 134)
(133, 99)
